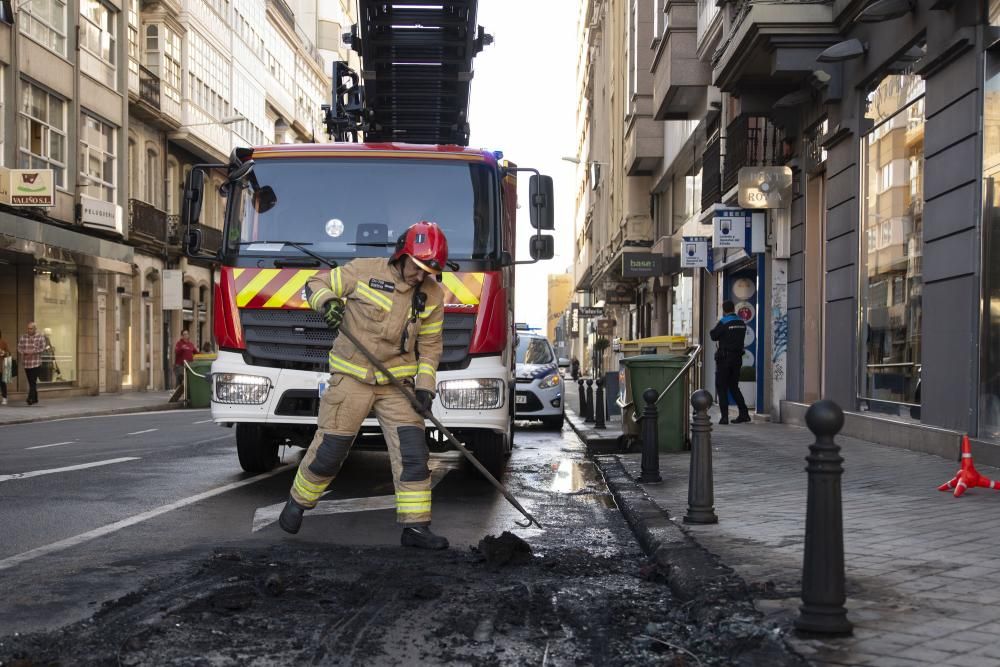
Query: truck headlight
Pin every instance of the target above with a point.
(549, 382)
(241, 389)
(472, 394)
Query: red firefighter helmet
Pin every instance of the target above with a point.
(425, 244)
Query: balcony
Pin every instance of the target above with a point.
(773, 43)
(147, 225)
(711, 174)
(751, 141)
(211, 239)
(149, 88)
(174, 232)
(643, 141)
(680, 79)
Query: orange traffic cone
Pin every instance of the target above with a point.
(967, 476)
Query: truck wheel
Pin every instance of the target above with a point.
(553, 423)
(489, 448)
(258, 451)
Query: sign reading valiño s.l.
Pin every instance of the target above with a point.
(27, 187)
(641, 265)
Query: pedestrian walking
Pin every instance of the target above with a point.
(575, 369)
(184, 351)
(730, 332)
(6, 369)
(396, 306)
(30, 347)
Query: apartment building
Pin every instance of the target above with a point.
(119, 100)
(871, 283)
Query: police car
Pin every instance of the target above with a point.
(538, 390)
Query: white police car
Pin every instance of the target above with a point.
(538, 392)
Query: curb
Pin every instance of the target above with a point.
(691, 571)
(597, 442)
(156, 407)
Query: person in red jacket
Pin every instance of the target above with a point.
(184, 350)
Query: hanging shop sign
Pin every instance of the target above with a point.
(694, 252)
(574, 320)
(619, 294)
(172, 284)
(731, 227)
(591, 312)
(765, 187)
(27, 187)
(605, 327)
(641, 265)
(100, 214)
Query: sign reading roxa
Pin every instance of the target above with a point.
(641, 265)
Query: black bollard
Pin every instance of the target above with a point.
(823, 585)
(701, 495)
(650, 446)
(589, 418)
(599, 407)
(583, 399)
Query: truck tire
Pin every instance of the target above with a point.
(490, 450)
(257, 449)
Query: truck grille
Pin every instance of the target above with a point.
(300, 340)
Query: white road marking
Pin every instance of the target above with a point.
(165, 413)
(82, 466)
(440, 465)
(69, 542)
(203, 421)
(54, 444)
(148, 430)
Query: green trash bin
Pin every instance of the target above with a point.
(657, 371)
(196, 376)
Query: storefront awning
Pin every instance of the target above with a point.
(31, 237)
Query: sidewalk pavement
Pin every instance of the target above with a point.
(17, 412)
(923, 569)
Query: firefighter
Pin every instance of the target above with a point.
(395, 307)
(730, 333)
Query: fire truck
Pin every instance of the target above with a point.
(399, 155)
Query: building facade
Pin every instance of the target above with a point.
(120, 115)
(871, 283)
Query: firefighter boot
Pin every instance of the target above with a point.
(421, 537)
(290, 519)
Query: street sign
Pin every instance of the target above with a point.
(591, 312)
(641, 265)
(695, 252)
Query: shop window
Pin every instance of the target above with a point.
(891, 282)
(41, 129)
(56, 317)
(989, 391)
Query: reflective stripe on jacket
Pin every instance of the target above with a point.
(379, 312)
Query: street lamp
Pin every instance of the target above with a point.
(578, 161)
(228, 120)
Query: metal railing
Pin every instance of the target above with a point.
(711, 174)
(751, 141)
(149, 87)
(147, 221)
(211, 239)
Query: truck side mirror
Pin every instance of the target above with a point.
(542, 247)
(541, 195)
(194, 195)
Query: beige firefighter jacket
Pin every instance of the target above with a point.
(380, 315)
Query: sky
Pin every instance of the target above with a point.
(524, 104)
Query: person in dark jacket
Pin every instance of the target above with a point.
(729, 333)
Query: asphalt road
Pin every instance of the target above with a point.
(90, 508)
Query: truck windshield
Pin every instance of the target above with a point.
(356, 207)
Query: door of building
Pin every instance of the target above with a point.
(102, 342)
(147, 343)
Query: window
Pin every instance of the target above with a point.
(891, 282)
(133, 30)
(41, 132)
(97, 159)
(659, 20)
(45, 22)
(153, 180)
(163, 58)
(173, 189)
(132, 167)
(98, 33)
(3, 110)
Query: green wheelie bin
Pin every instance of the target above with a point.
(657, 371)
(197, 377)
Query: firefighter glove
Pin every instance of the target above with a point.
(424, 399)
(333, 313)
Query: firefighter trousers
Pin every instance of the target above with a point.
(342, 408)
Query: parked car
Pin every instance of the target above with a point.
(538, 392)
